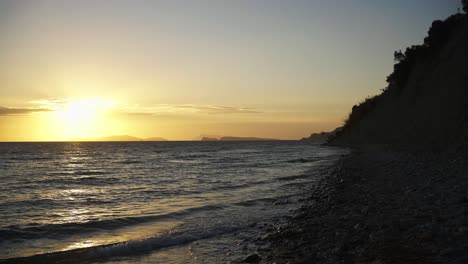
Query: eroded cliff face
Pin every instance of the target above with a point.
(429, 111)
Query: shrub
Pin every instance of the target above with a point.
(360, 110)
(438, 35)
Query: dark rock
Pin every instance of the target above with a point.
(254, 258)
(463, 229)
(365, 210)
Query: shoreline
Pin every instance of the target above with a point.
(379, 206)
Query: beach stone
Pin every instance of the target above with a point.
(254, 258)
(446, 251)
(403, 200)
(463, 229)
(464, 199)
(365, 210)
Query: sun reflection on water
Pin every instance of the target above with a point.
(125, 234)
(72, 193)
(80, 244)
(74, 215)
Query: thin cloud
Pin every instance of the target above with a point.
(137, 113)
(163, 109)
(4, 111)
(215, 109)
(52, 104)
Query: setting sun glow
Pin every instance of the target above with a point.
(83, 118)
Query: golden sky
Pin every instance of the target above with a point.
(181, 69)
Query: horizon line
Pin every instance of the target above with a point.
(181, 140)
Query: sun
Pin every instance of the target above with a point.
(82, 112)
(79, 119)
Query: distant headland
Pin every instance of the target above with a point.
(230, 138)
(128, 138)
(121, 138)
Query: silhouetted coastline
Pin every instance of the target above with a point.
(230, 138)
(400, 197)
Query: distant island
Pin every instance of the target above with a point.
(209, 139)
(121, 138)
(229, 138)
(127, 138)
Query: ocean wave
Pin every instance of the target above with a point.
(196, 156)
(129, 161)
(82, 179)
(89, 172)
(293, 177)
(22, 203)
(240, 186)
(253, 202)
(186, 161)
(26, 158)
(303, 160)
(35, 230)
(128, 248)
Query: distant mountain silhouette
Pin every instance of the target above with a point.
(246, 139)
(229, 138)
(209, 139)
(155, 139)
(121, 138)
(200, 137)
(426, 101)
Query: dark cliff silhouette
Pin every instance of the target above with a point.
(425, 104)
(322, 137)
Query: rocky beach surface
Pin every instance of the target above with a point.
(378, 206)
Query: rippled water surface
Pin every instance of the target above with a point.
(167, 202)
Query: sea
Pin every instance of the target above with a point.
(150, 202)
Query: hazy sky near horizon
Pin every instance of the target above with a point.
(179, 69)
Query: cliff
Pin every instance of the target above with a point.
(426, 102)
(322, 137)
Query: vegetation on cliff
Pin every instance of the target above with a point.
(438, 37)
